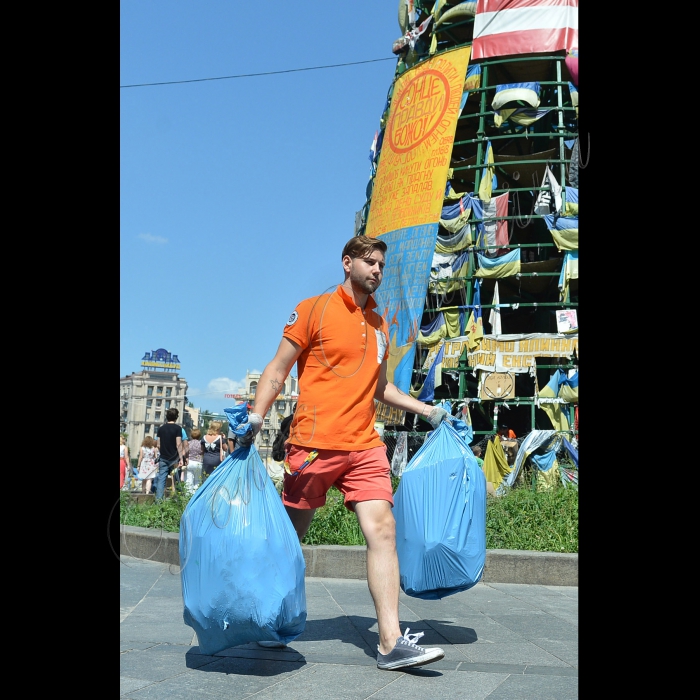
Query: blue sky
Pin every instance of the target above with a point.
(237, 196)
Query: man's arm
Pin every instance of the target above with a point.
(274, 375)
(391, 395)
(178, 442)
(269, 387)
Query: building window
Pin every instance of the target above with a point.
(149, 403)
(124, 416)
(148, 416)
(158, 415)
(125, 405)
(150, 391)
(147, 429)
(167, 404)
(253, 386)
(159, 390)
(169, 391)
(159, 403)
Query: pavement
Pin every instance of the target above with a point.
(502, 641)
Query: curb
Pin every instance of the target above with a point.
(338, 561)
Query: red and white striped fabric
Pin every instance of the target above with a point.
(508, 27)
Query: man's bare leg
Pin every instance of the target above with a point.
(301, 519)
(379, 528)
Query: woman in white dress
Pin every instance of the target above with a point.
(147, 466)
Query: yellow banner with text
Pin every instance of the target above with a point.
(409, 186)
(510, 353)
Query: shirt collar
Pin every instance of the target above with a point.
(350, 302)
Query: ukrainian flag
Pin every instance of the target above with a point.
(553, 410)
(570, 204)
(447, 324)
(564, 230)
(568, 388)
(502, 266)
(488, 176)
(446, 272)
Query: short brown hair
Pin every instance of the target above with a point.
(148, 441)
(196, 433)
(362, 246)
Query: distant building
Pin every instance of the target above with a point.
(145, 396)
(191, 419)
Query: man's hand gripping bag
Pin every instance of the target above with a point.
(241, 564)
(440, 511)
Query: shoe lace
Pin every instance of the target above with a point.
(411, 639)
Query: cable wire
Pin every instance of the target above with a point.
(255, 75)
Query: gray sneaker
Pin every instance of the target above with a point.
(407, 653)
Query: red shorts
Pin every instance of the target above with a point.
(359, 476)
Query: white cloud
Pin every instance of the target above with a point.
(224, 385)
(150, 238)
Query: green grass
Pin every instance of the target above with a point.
(544, 521)
(164, 515)
(523, 519)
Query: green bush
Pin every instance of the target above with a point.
(164, 515)
(540, 521)
(523, 519)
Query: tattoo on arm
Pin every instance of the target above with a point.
(276, 385)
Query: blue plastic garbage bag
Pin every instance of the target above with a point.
(440, 511)
(241, 563)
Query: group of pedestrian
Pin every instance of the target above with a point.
(171, 453)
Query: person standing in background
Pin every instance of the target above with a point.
(123, 460)
(147, 463)
(194, 463)
(212, 448)
(179, 473)
(170, 447)
(505, 433)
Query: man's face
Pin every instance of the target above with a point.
(366, 273)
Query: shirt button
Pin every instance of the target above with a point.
(363, 323)
(363, 335)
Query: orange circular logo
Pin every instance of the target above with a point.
(417, 110)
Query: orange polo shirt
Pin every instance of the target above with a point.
(343, 349)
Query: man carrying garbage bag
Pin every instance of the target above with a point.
(340, 344)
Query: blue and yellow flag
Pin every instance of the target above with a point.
(489, 182)
(502, 266)
(564, 230)
(553, 410)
